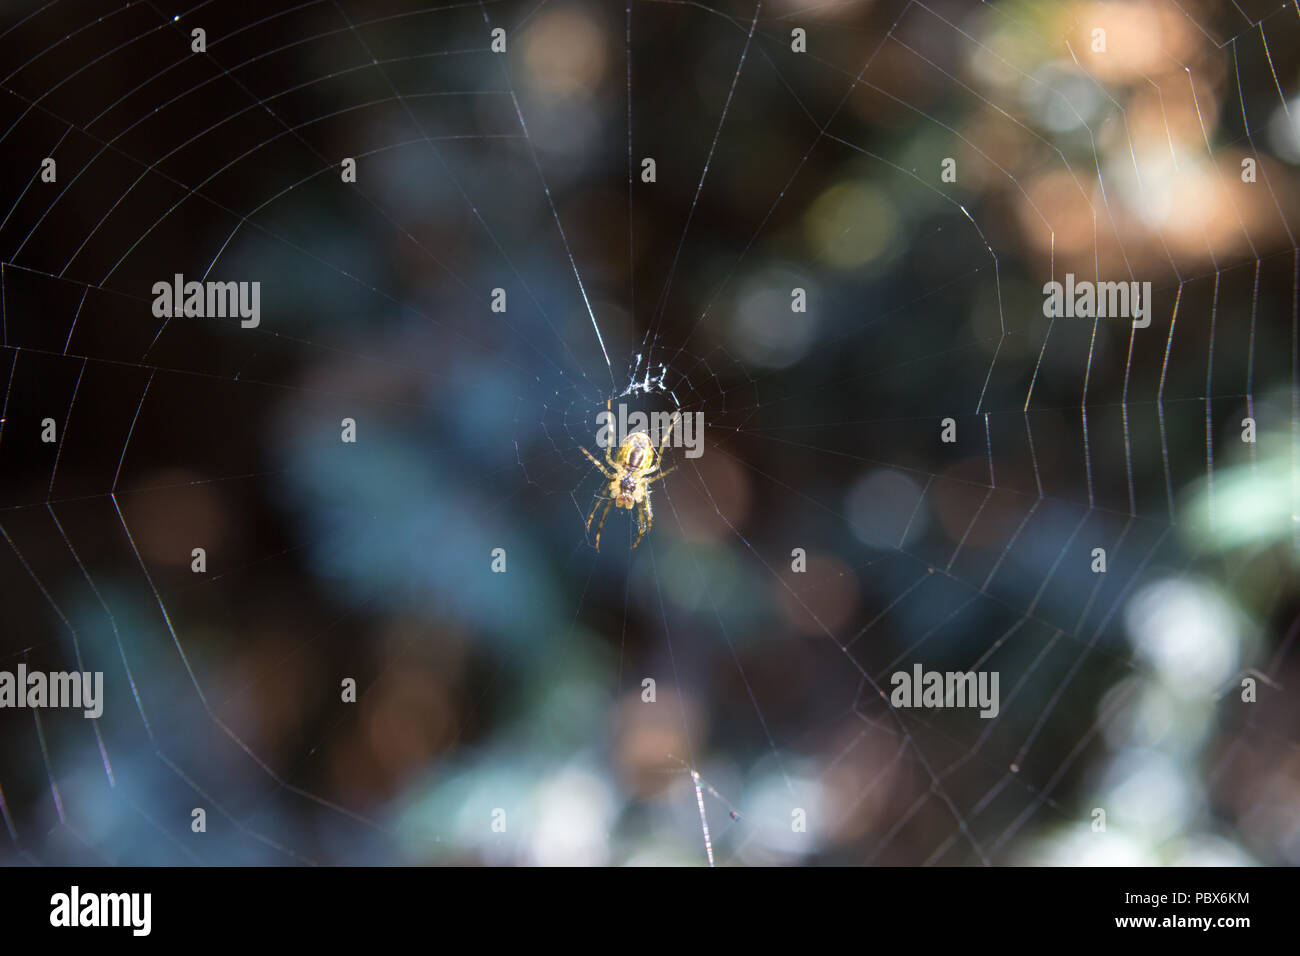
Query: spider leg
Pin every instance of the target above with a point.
(662, 474)
(659, 452)
(595, 461)
(603, 515)
(677, 416)
(609, 449)
(644, 519)
(599, 499)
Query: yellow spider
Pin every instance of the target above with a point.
(630, 471)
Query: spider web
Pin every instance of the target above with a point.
(522, 696)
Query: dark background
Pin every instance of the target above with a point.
(522, 691)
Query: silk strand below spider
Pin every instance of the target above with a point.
(630, 470)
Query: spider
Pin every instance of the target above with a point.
(631, 470)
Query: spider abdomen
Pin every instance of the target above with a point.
(635, 451)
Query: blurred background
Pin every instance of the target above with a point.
(503, 718)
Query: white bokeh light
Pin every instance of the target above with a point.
(1187, 632)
